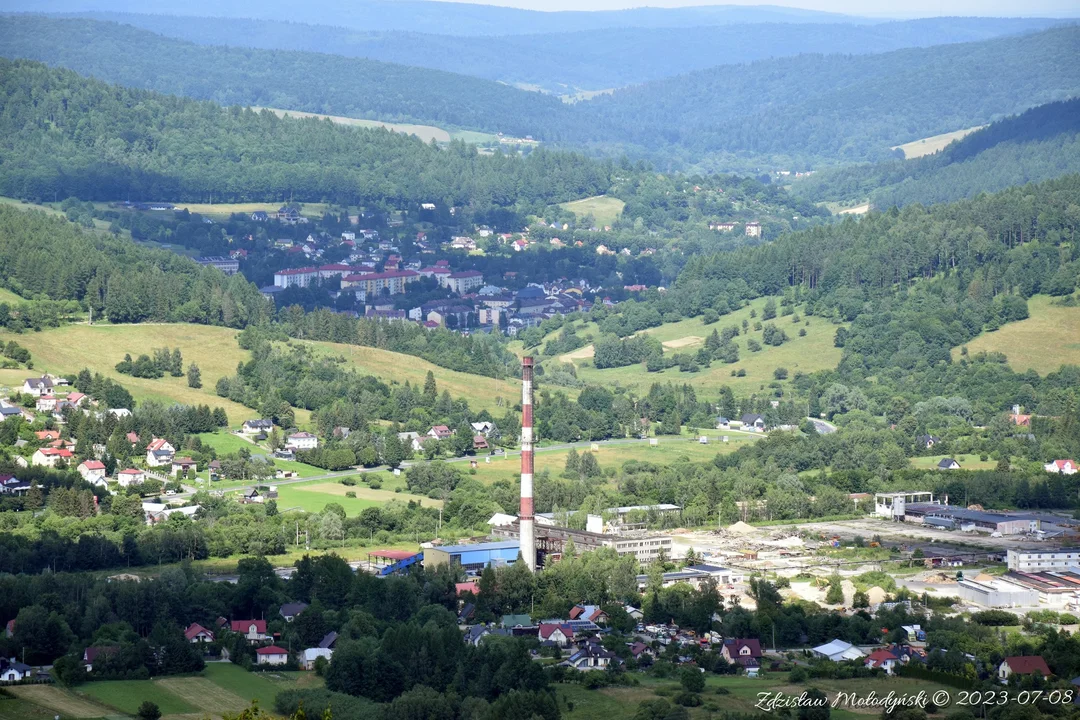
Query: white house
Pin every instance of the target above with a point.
(92, 471)
(312, 654)
(253, 630)
(196, 633)
(1063, 467)
(272, 655)
(12, 670)
(302, 441)
(561, 635)
(51, 457)
(1022, 665)
(129, 477)
(159, 452)
(254, 427)
(38, 386)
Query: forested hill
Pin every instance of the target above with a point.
(1040, 144)
(559, 62)
(838, 107)
(310, 82)
(452, 18)
(65, 135)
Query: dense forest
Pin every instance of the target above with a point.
(64, 135)
(312, 82)
(1040, 144)
(561, 61)
(48, 256)
(787, 112)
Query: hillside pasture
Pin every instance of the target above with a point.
(483, 393)
(427, 133)
(966, 462)
(127, 695)
(313, 496)
(930, 145)
(604, 208)
(100, 347)
(1045, 341)
(54, 700)
(810, 353)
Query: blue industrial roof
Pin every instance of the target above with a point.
(504, 545)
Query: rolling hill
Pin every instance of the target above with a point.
(451, 18)
(560, 62)
(1040, 144)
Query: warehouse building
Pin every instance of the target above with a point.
(473, 558)
(1057, 589)
(996, 593)
(1036, 560)
(952, 516)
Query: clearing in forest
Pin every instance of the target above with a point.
(930, 145)
(604, 208)
(427, 133)
(1045, 341)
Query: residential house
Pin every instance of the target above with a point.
(289, 611)
(1022, 665)
(302, 441)
(196, 633)
(751, 421)
(742, 651)
(440, 432)
(479, 442)
(476, 633)
(639, 650)
(307, 660)
(159, 452)
(46, 403)
(92, 471)
(47, 436)
(254, 427)
(634, 613)
(1063, 467)
(948, 464)
(927, 441)
(182, 464)
(51, 457)
(272, 655)
(38, 386)
(75, 399)
(11, 670)
(591, 657)
(560, 634)
(592, 613)
(129, 477)
(753, 229)
(329, 640)
(882, 659)
(13, 485)
(253, 630)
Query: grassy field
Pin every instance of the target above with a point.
(221, 687)
(101, 226)
(618, 703)
(1044, 342)
(224, 210)
(669, 449)
(604, 209)
(34, 701)
(100, 347)
(483, 393)
(930, 145)
(806, 354)
(6, 296)
(313, 496)
(475, 137)
(967, 462)
(427, 133)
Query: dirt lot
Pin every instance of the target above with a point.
(913, 535)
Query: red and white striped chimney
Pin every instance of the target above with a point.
(528, 529)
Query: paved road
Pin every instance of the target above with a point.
(823, 428)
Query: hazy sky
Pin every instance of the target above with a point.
(896, 8)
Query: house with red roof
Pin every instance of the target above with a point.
(440, 432)
(882, 659)
(253, 630)
(592, 613)
(557, 633)
(1022, 665)
(47, 435)
(272, 655)
(91, 654)
(196, 633)
(129, 477)
(1062, 467)
(51, 457)
(159, 452)
(92, 471)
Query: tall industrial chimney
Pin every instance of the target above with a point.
(528, 530)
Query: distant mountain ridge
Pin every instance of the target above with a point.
(1040, 144)
(563, 62)
(442, 17)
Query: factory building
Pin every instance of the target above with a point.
(551, 539)
(996, 593)
(473, 558)
(920, 507)
(1057, 589)
(1036, 560)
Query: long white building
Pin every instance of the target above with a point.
(1040, 560)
